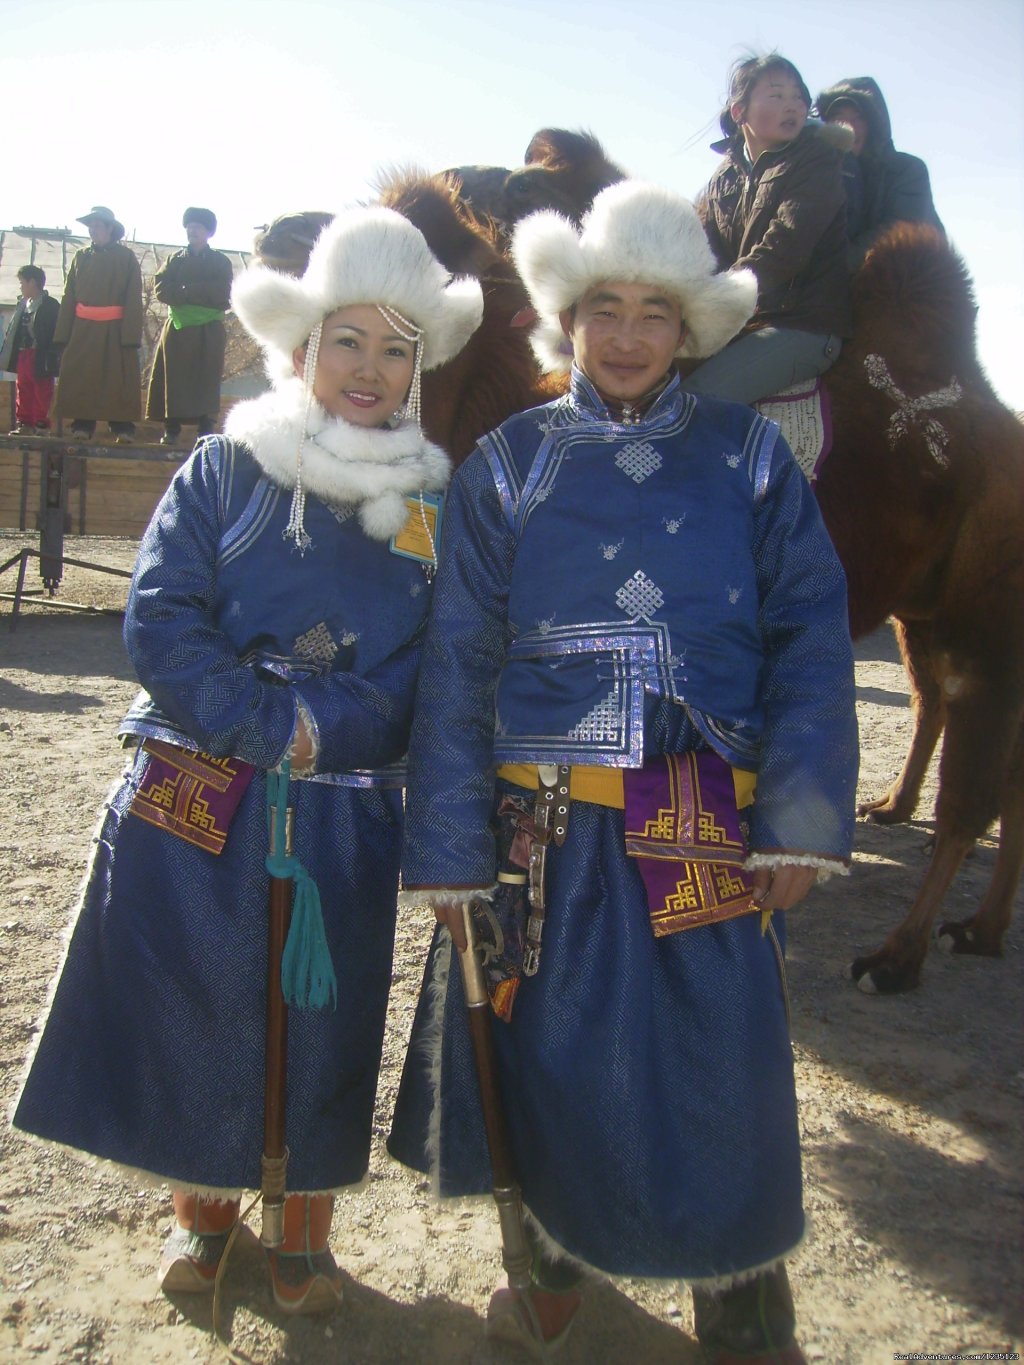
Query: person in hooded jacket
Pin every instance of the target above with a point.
(777, 206)
(894, 186)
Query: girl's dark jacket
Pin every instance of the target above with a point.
(785, 219)
(895, 185)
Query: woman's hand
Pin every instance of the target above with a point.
(302, 752)
(782, 887)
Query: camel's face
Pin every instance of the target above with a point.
(506, 196)
(532, 188)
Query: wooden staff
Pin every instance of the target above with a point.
(274, 1163)
(516, 1255)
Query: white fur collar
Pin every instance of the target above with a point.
(342, 464)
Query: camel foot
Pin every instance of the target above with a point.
(879, 974)
(961, 936)
(886, 810)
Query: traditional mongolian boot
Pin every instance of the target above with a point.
(538, 1319)
(191, 1255)
(304, 1272)
(751, 1324)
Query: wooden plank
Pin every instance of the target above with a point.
(122, 493)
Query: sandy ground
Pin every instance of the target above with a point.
(911, 1106)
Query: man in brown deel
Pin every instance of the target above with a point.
(100, 331)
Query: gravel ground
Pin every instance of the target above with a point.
(911, 1106)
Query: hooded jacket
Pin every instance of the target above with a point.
(784, 218)
(895, 185)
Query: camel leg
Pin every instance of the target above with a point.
(896, 966)
(978, 764)
(982, 934)
(899, 802)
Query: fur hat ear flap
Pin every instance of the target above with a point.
(460, 315)
(717, 311)
(547, 253)
(551, 346)
(274, 308)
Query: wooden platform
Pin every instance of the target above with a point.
(110, 490)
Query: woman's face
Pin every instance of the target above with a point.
(364, 368)
(775, 113)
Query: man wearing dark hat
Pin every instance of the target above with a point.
(195, 284)
(100, 329)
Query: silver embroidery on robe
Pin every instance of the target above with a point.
(639, 460)
(316, 646)
(639, 596)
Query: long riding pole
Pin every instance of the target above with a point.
(515, 1249)
(274, 1163)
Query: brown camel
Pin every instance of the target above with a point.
(923, 495)
(928, 521)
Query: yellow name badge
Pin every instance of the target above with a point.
(420, 536)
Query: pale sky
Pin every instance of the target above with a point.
(257, 107)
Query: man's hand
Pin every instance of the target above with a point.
(451, 916)
(780, 888)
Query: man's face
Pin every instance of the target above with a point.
(624, 337)
(197, 235)
(845, 111)
(30, 289)
(100, 232)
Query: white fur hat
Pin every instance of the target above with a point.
(370, 255)
(637, 234)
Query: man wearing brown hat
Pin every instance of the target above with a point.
(195, 284)
(100, 329)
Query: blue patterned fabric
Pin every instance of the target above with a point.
(607, 593)
(152, 1054)
(577, 588)
(647, 1082)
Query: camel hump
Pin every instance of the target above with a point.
(464, 243)
(913, 301)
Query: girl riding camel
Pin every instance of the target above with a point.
(776, 206)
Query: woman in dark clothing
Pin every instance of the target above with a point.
(894, 186)
(777, 207)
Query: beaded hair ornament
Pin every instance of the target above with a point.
(409, 412)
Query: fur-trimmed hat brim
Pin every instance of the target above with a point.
(635, 233)
(373, 256)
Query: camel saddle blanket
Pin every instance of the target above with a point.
(804, 413)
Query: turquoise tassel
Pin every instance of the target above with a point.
(307, 973)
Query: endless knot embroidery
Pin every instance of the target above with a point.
(603, 723)
(639, 459)
(639, 596)
(316, 646)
